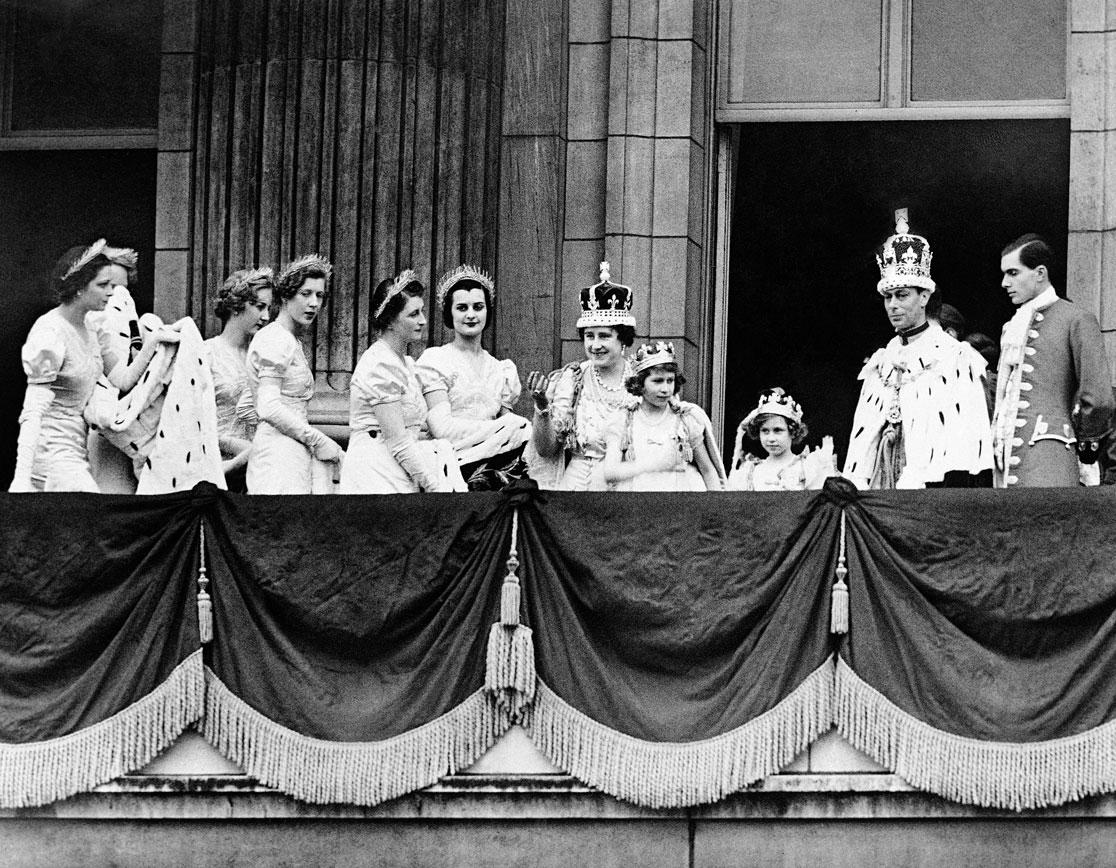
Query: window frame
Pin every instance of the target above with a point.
(895, 101)
(47, 138)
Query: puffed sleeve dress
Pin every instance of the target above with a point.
(480, 388)
(67, 361)
(281, 463)
(382, 377)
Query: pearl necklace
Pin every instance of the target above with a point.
(601, 384)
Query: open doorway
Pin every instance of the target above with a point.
(814, 200)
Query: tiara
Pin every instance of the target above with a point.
(124, 256)
(310, 260)
(775, 402)
(606, 304)
(87, 256)
(463, 272)
(650, 355)
(250, 276)
(904, 259)
(405, 279)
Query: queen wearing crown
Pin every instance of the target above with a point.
(662, 443)
(922, 418)
(577, 405)
(470, 394)
(392, 448)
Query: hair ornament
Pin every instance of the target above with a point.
(606, 304)
(457, 275)
(251, 276)
(650, 355)
(774, 402)
(87, 256)
(904, 259)
(405, 279)
(125, 257)
(305, 263)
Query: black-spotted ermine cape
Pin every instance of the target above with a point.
(936, 383)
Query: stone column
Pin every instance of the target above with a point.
(1091, 266)
(637, 160)
(178, 73)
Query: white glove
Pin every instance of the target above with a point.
(272, 410)
(35, 401)
(406, 452)
(444, 426)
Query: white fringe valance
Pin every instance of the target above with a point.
(678, 774)
(357, 773)
(47, 771)
(993, 774)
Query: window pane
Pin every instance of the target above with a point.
(86, 64)
(989, 50)
(802, 51)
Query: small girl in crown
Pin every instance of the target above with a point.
(777, 424)
(662, 443)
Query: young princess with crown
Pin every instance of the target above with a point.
(777, 424)
(662, 443)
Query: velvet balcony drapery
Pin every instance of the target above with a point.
(980, 661)
(100, 662)
(682, 644)
(349, 641)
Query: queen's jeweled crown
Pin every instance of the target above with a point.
(904, 259)
(606, 304)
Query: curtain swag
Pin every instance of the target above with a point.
(668, 652)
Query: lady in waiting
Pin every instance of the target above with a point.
(288, 455)
(576, 406)
(390, 446)
(242, 307)
(663, 443)
(62, 358)
(469, 394)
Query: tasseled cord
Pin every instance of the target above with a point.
(510, 663)
(839, 602)
(205, 602)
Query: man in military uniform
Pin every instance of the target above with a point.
(1054, 396)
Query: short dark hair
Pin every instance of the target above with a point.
(634, 383)
(447, 302)
(1033, 251)
(395, 304)
(66, 288)
(625, 333)
(951, 317)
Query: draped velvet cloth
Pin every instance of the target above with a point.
(100, 661)
(682, 645)
(980, 661)
(348, 658)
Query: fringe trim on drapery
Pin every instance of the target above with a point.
(677, 774)
(45, 771)
(993, 774)
(357, 773)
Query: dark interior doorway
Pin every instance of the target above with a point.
(52, 201)
(814, 200)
